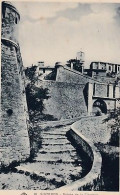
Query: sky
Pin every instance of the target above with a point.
(54, 31)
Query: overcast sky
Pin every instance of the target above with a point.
(54, 31)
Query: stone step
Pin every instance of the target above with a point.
(54, 144)
(44, 136)
(53, 133)
(56, 150)
(66, 157)
(45, 159)
(55, 141)
(57, 147)
(53, 170)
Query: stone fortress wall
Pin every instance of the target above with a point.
(73, 94)
(66, 100)
(14, 141)
(66, 74)
(105, 90)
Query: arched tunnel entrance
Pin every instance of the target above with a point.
(99, 107)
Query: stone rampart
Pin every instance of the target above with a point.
(65, 74)
(99, 90)
(14, 141)
(66, 99)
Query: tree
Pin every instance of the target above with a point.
(30, 73)
(35, 97)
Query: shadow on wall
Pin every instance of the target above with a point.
(85, 94)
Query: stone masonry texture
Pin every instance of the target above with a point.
(14, 140)
(66, 99)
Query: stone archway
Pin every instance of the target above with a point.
(99, 107)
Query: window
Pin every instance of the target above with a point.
(3, 11)
(113, 91)
(16, 20)
(109, 67)
(9, 112)
(107, 90)
(11, 48)
(94, 89)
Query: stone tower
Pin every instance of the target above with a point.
(14, 140)
(80, 56)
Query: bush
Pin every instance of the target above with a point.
(114, 114)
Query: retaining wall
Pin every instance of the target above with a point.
(93, 128)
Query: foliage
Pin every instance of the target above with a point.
(114, 114)
(30, 73)
(35, 141)
(114, 140)
(35, 97)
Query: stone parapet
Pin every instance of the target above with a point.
(77, 132)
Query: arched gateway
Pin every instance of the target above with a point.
(100, 105)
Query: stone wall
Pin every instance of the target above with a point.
(96, 125)
(83, 138)
(104, 79)
(66, 99)
(98, 89)
(65, 74)
(14, 141)
(10, 20)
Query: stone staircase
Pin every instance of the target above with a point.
(56, 160)
(56, 147)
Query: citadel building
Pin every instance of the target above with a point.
(100, 84)
(73, 90)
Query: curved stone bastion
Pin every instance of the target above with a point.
(14, 140)
(86, 143)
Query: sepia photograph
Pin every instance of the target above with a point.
(60, 96)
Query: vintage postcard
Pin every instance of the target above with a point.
(60, 97)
